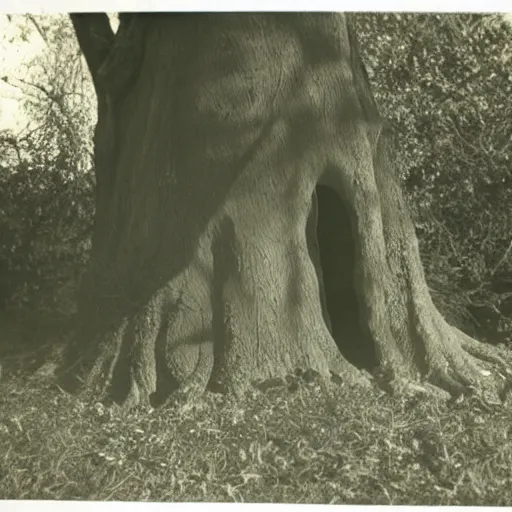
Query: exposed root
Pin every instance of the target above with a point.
(407, 387)
(471, 368)
(91, 374)
(187, 395)
(455, 384)
(344, 372)
(453, 363)
(482, 351)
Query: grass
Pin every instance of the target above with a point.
(297, 442)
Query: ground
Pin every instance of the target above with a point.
(294, 442)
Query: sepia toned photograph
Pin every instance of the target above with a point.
(256, 257)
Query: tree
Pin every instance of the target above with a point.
(224, 145)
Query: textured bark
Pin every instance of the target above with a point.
(225, 144)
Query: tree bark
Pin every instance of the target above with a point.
(249, 219)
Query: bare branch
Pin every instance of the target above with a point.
(48, 93)
(34, 22)
(503, 258)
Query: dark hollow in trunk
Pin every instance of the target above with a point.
(337, 253)
(249, 218)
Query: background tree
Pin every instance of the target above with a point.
(217, 138)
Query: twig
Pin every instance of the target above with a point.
(123, 481)
(504, 257)
(38, 28)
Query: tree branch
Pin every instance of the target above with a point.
(38, 28)
(95, 37)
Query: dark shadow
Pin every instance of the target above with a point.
(119, 386)
(166, 383)
(224, 261)
(336, 242)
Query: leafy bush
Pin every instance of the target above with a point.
(45, 217)
(46, 178)
(445, 83)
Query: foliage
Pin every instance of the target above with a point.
(296, 442)
(445, 83)
(46, 180)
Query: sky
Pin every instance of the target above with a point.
(14, 55)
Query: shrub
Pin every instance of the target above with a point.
(445, 83)
(46, 175)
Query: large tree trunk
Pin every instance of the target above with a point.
(225, 144)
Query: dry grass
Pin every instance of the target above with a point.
(297, 442)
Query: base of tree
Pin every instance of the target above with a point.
(250, 222)
(249, 309)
